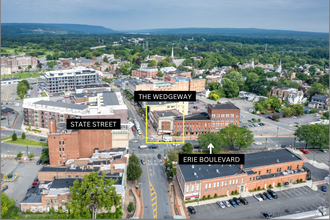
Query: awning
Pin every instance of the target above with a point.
(188, 197)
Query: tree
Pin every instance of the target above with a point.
(244, 138)
(97, 64)
(29, 67)
(152, 63)
(210, 138)
(314, 135)
(275, 117)
(92, 192)
(39, 65)
(287, 111)
(14, 137)
(258, 106)
(8, 208)
(173, 154)
(134, 171)
(19, 155)
(105, 59)
(180, 67)
(19, 67)
(23, 136)
(49, 57)
(134, 159)
(187, 148)
(21, 89)
(89, 56)
(229, 135)
(236, 77)
(130, 207)
(30, 127)
(125, 68)
(316, 88)
(51, 64)
(299, 109)
(230, 88)
(326, 115)
(312, 70)
(214, 96)
(160, 74)
(31, 155)
(274, 102)
(45, 156)
(213, 86)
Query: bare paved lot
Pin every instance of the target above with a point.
(26, 172)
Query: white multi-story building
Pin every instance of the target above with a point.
(296, 97)
(67, 80)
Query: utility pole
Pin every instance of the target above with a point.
(27, 150)
(277, 132)
(294, 144)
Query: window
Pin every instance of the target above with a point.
(242, 180)
(55, 201)
(54, 138)
(266, 172)
(297, 166)
(69, 175)
(47, 202)
(59, 149)
(63, 142)
(63, 201)
(76, 176)
(197, 187)
(254, 178)
(250, 178)
(229, 182)
(187, 188)
(222, 183)
(232, 115)
(222, 115)
(214, 185)
(60, 156)
(60, 162)
(206, 186)
(210, 185)
(63, 149)
(218, 184)
(236, 115)
(225, 183)
(192, 188)
(59, 142)
(227, 115)
(259, 173)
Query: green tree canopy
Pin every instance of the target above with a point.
(210, 138)
(314, 135)
(8, 208)
(187, 148)
(45, 156)
(14, 137)
(51, 64)
(93, 190)
(244, 138)
(230, 88)
(213, 86)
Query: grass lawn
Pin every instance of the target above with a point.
(44, 94)
(174, 171)
(6, 138)
(20, 141)
(23, 75)
(8, 49)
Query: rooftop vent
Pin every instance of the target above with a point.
(199, 168)
(195, 174)
(192, 166)
(217, 171)
(278, 160)
(209, 165)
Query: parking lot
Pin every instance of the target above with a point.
(289, 201)
(317, 155)
(8, 92)
(202, 107)
(26, 173)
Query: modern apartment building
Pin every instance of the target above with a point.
(67, 80)
(92, 88)
(217, 117)
(145, 72)
(38, 111)
(261, 169)
(15, 61)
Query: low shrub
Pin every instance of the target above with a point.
(215, 195)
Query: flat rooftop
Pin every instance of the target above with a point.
(227, 105)
(194, 117)
(167, 113)
(110, 98)
(61, 104)
(90, 86)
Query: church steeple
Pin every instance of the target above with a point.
(172, 56)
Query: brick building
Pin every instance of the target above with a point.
(146, 72)
(15, 61)
(260, 170)
(282, 92)
(197, 84)
(70, 145)
(217, 117)
(179, 73)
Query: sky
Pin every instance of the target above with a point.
(298, 15)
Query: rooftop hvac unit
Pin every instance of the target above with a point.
(192, 166)
(217, 171)
(195, 174)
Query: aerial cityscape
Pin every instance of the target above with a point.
(165, 109)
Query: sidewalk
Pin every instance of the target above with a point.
(178, 203)
(131, 195)
(247, 194)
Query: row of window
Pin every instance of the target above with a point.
(215, 185)
(224, 115)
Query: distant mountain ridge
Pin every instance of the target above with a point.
(33, 28)
(39, 28)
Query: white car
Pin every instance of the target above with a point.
(227, 204)
(196, 140)
(293, 117)
(317, 115)
(257, 197)
(257, 143)
(221, 205)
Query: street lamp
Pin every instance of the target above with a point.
(27, 150)
(164, 152)
(266, 143)
(294, 143)
(277, 132)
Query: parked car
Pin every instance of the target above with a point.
(249, 120)
(244, 201)
(253, 119)
(293, 117)
(42, 139)
(263, 113)
(227, 204)
(270, 117)
(196, 146)
(221, 205)
(142, 161)
(257, 143)
(283, 146)
(3, 118)
(153, 146)
(256, 125)
(238, 202)
(38, 162)
(35, 183)
(324, 151)
(304, 151)
(191, 210)
(233, 203)
(159, 156)
(272, 193)
(36, 179)
(286, 183)
(133, 129)
(268, 196)
(324, 188)
(261, 124)
(262, 196)
(267, 215)
(257, 197)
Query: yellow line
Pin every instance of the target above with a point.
(133, 115)
(152, 189)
